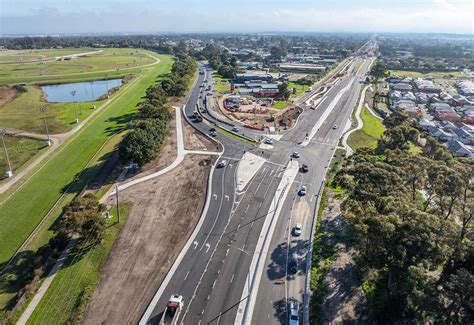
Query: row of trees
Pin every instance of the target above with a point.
(411, 215)
(219, 59)
(145, 138)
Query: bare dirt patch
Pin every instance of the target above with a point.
(7, 94)
(344, 301)
(194, 140)
(159, 223)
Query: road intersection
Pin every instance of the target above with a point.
(234, 268)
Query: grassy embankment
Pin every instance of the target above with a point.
(20, 152)
(370, 132)
(66, 299)
(434, 74)
(221, 85)
(66, 173)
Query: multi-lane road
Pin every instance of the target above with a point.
(234, 268)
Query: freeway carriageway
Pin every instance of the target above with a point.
(234, 267)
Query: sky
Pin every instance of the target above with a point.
(39, 17)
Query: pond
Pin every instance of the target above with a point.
(83, 91)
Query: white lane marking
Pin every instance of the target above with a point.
(186, 275)
(227, 197)
(207, 247)
(232, 278)
(215, 196)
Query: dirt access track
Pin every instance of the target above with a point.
(163, 213)
(7, 94)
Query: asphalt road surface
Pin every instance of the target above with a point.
(213, 275)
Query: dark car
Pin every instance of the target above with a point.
(293, 266)
(304, 168)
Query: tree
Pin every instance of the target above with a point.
(227, 71)
(378, 70)
(277, 53)
(283, 90)
(83, 218)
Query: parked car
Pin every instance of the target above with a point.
(297, 230)
(222, 164)
(304, 168)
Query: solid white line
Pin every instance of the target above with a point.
(146, 315)
(186, 275)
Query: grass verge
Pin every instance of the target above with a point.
(236, 137)
(434, 74)
(66, 300)
(370, 132)
(20, 152)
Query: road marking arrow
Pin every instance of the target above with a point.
(195, 244)
(207, 247)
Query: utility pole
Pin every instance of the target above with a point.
(9, 171)
(48, 141)
(117, 199)
(73, 93)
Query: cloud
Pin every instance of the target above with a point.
(339, 16)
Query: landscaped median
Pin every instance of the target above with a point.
(62, 176)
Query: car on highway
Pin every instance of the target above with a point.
(235, 129)
(296, 230)
(302, 190)
(268, 141)
(222, 164)
(293, 266)
(296, 154)
(293, 317)
(334, 127)
(304, 168)
(213, 133)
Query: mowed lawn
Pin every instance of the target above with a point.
(21, 56)
(109, 60)
(23, 113)
(27, 206)
(20, 151)
(434, 74)
(370, 133)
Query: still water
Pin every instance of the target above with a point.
(84, 91)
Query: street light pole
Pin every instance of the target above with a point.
(9, 171)
(117, 198)
(48, 141)
(73, 93)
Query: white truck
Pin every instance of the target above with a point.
(172, 310)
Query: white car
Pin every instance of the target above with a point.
(303, 190)
(297, 230)
(222, 164)
(268, 141)
(296, 154)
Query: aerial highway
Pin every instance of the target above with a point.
(234, 268)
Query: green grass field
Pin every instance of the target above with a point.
(221, 85)
(109, 62)
(370, 132)
(22, 56)
(300, 89)
(434, 74)
(280, 104)
(66, 299)
(20, 152)
(23, 113)
(23, 209)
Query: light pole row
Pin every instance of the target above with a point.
(9, 172)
